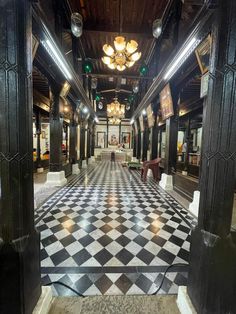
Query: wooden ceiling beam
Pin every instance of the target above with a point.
(114, 33)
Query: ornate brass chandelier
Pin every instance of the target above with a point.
(123, 56)
(115, 111)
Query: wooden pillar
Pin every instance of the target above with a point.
(56, 126)
(134, 144)
(93, 140)
(38, 134)
(19, 241)
(82, 140)
(172, 137)
(154, 142)
(145, 143)
(73, 138)
(212, 275)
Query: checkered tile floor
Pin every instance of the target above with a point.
(107, 232)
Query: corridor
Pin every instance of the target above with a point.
(106, 232)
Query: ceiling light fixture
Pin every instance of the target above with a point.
(123, 56)
(76, 24)
(85, 110)
(56, 55)
(144, 112)
(115, 109)
(181, 58)
(114, 121)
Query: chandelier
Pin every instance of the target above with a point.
(123, 56)
(114, 121)
(115, 111)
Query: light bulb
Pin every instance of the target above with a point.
(120, 67)
(109, 51)
(119, 43)
(106, 60)
(136, 56)
(76, 24)
(132, 46)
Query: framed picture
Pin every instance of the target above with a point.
(150, 116)
(43, 134)
(125, 139)
(203, 54)
(166, 103)
(101, 139)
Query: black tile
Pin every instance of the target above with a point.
(175, 219)
(138, 229)
(43, 254)
(67, 240)
(122, 228)
(158, 240)
(48, 219)
(57, 228)
(103, 284)
(166, 256)
(49, 240)
(83, 284)
(183, 254)
(73, 228)
(106, 219)
(42, 227)
(123, 240)
(86, 240)
(145, 256)
(104, 240)
(143, 283)
(124, 283)
(59, 257)
(148, 219)
(81, 257)
(153, 228)
(124, 256)
(162, 219)
(63, 219)
(176, 240)
(78, 219)
(120, 219)
(168, 229)
(106, 228)
(181, 280)
(89, 228)
(183, 228)
(103, 256)
(140, 240)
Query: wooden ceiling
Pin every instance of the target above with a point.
(103, 21)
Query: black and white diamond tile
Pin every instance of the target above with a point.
(116, 283)
(107, 217)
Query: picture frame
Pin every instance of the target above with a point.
(202, 53)
(101, 139)
(43, 133)
(166, 103)
(125, 139)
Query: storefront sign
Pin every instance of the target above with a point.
(166, 103)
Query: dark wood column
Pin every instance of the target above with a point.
(138, 136)
(56, 126)
(172, 137)
(154, 142)
(73, 138)
(93, 140)
(212, 276)
(19, 241)
(82, 140)
(145, 143)
(88, 142)
(134, 144)
(38, 133)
